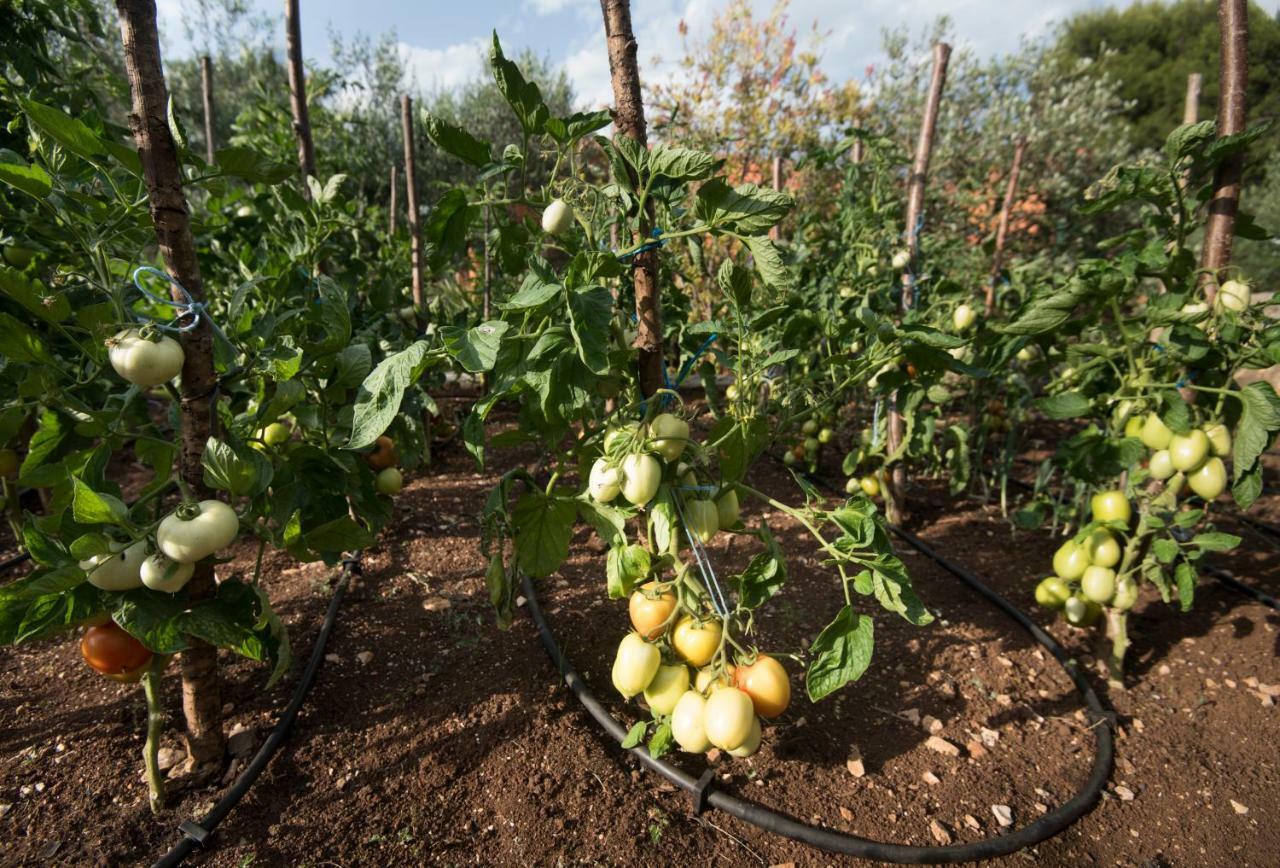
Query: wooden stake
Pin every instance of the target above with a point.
(1002, 228)
(1233, 22)
(391, 206)
(628, 120)
(298, 94)
(411, 199)
(206, 86)
(777, 185)
(857, 143)
(1191, 105)
(148, 119)
(915, 207)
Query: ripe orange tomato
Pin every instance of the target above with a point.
(383, 454)
(766, 682)
(113, 652)
(650, 609)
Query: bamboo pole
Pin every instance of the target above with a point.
(298, 94)
(1191, 105)
(915, 208)
(1233, 22)
(391, 205)
(206, 87)
(1002, 228)
(628, 120)
(148, 120)
(411, 200)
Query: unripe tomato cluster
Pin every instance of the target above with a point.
(382, 460)
(1084, 579)
(866, 473)
(1196, 454)
(806, 448)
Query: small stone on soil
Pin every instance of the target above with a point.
(1124, 793)
(976, 750)
(332, 658)
(1237, 807)
(855, 765)
(939, 832)
(911, 715)
(846, 814)
(1164, 669)
(942, 746)
(931, 724)
(1003, 814)
(365, 657)
(989, 737)
(168, 757)
(972, 822)
(930, 778)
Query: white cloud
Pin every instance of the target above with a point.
(551, 7)
(445, 68)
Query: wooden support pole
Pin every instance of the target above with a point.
(775, 230)
(149, 122)
(411, 200)
(206, 87)
(628, 120)
(915, 208)
(1002, 228)
(1191, 105)
(1233, 22)
(298, 94)
(857, 143)
(391, 205)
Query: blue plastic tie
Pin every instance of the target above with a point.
(658, 241)
(184, 309)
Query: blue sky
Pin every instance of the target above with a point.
(443, 42)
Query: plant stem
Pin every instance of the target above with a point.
(155, 724)
(1118, 633)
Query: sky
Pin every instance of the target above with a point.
(445, 43)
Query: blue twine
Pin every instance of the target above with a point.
(685, 369)
(1185, 380)
(710, 488)
(658, 241)
(1159, 346)
(188, 308)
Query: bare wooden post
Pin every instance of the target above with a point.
(148, 119)
(411, 199)
(1233, 22)
(298, 94)
(915, 207)
(628, 120)
(774, 231)
(391, 206)
(1002, 228)
(1191, 105)
(206, 86)
(857, 143)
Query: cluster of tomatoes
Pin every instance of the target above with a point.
(382, 460)
(1197, 455)
(676, 656)
(1085, 578)
(808, 447)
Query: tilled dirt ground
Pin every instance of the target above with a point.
(452, 742)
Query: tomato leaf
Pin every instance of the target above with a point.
(635, 734)
(378, 399)
(72, 133)
(1068, 405)
(590, 312)
(768, 262)
(543, 526)
(661, 742)
(765, 575)
(90, 508)
(458, 142)
(30, 179)
(626, 565)
(841, 653)
(476, 349)
(524, 96)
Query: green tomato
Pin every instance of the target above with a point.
(145, 362)
(1098, 584)
(1104, 551)
(605, 482)
(789, 458)
(1155, 434)
(276, 434)
(641, 475)
(852, 485)
(727, 509)
(1133, 427)
(731, 391)
(1052, 593)
(688, 723)
(1026, 354)
(1070, 561)
(1126, 595)
(701, 518)
(826, 435)
(1233, 295)
(667, 687)
(870, 486)
(1188, 451)
(810, 427)
(161, 574)
(558, 217)
(635, 665)
(728, 716)
(118, 570)
(1219, 439)
(1161, 465)
(389, 481)
(1210, 480)
(670, 435)
(901, 259)
(1081, 612)
(195, 531)
(1111, 506)
(963, 317)
(811, 445)
(18, 256)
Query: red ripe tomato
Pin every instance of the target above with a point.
(766, 682)
(113, 652)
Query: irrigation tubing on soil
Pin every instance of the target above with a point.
(9, 563)
(196, 834)
(1221, 575)
(705, 793)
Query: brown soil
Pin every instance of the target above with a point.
(455, 743)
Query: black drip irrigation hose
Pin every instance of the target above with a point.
(1217, 573)
(196, 834)
(703, 791)
(9, 563)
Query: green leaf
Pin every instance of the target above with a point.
(635, 734)
(354, 364)
(378, 399)
(342, 534)
(458, 142)
(21, 344)
(769, 264)
(72, 133)
(661, 741)
(1165, 550)
(1185, 576)
(590, 313)
(32, 180)
(1216, 541)
(579, 124)
(89, 507)
(543, 526)
(476, 349)
(680, 164)
(1068, 405)
(841, 653)
(747, 209)
(609, 521)
(892, 587)
(1258, 425)
(765, 575)
(523, 96)
(249, 165)
(501, 591)
(243, 472)
(535, 291)
(626, 565)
